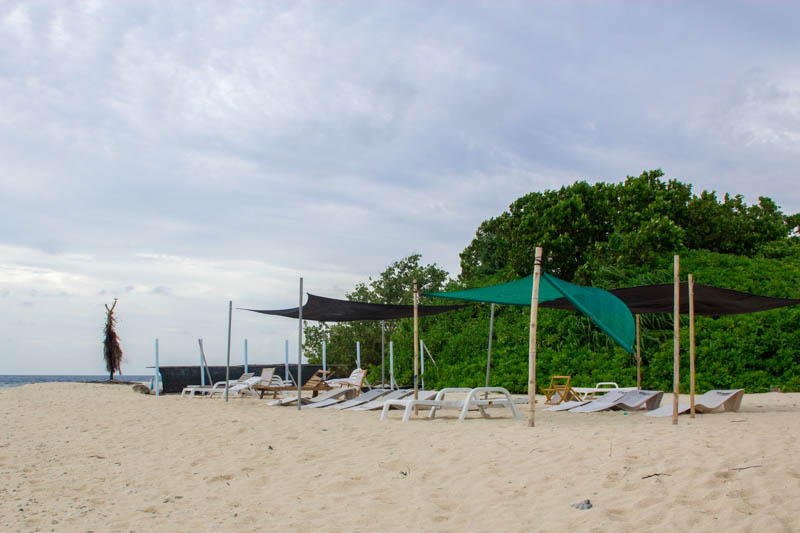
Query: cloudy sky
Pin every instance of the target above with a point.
(178, 155)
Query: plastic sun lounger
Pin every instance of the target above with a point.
(472, 400)
(206, 389)
(238, 389)
(604, 387)
(322, 397)
(360, 399)
(609, 397)
(378, 403)
(629, 401)
(706, 403)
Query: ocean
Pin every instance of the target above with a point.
(17, 380)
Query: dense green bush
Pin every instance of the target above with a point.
(604, 235)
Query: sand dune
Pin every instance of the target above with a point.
(103, 458)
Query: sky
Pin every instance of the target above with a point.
(181, 155)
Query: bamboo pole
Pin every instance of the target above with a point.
(691, 345)
(638, 355)
(300, 348)
(676, 361)
(416, 343)
(537, 272)
(228, 361)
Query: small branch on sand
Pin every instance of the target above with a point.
(746, 467)
(656, 474)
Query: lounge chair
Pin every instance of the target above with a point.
(472, 400)
(706, 403)
(206, 389)
(326, 398)
(378, 402)
(559, 391)
(629, 401)
(604, 387)
(361, 399)
(315, 383)
(238, 389)
(355, 380)
(608, 398)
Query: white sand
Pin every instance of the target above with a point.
(78, 457)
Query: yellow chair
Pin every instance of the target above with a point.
(559, 390)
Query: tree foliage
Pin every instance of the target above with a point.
(605, 235)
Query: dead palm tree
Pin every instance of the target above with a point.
(112, 351)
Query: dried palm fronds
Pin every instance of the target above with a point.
(112, 351)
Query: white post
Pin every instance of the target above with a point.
(246, 370)
(358, 354)
(391, 365)
(202, 365)
(324, 356)
(422, 363)
(286, 364)
(489, 352)
(157, 377)
(300, 347)
(676, 361)
(228, 360)
(537, 272)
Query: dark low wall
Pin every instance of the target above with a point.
(177, 377)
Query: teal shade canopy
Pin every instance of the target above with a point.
(607, 311)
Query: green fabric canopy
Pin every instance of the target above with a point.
(604, 309)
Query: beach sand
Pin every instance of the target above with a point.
(89, 457)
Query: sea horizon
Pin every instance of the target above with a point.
(16, 380)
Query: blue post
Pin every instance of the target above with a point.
(202, 368)
(324, 361)
(358, 354)
(245, 357)
(157, 377)
(391, 365)
(286, 364)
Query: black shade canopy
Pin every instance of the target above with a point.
(708, 300)
(331, 310)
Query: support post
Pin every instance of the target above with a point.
(358, 354)
(638, 354)
(324, 355)
(691, 345)
(391, 365)
(676, 361)
(157, 376)
(422, 363)
(246, 369)
(489, 351)
(383, 351)
(204, 365)
(416, 342)
(286, 362)
(300, 348)
(537, 272)
(228, 360)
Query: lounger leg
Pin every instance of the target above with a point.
(407, 412)
(385, 410)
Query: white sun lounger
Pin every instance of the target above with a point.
(238, 389)
(472, 400)
(322, 397)
(604, 387)
(360, 399)
(710, 401)
(206, 389)
(630, 401)
(609, 398)
(378, 402)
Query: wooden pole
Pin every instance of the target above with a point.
(228, 361)
(691, 344)
(300, 347)
(537, 272)
(676, 361)
(416, 342)
(638, 355)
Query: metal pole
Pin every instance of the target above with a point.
(300, 347)
(286, 363)
(157, 377)
(383, 350)
(228, 360)
(358, 354)
(676, 361)
(324, 356)
(391, 365)
(537, 272)
(416, 343)
(246, 370)
(489, 352)
(691, 345)
(202, 364)
(638, 355)
(422, 363)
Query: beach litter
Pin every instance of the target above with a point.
(583, 506)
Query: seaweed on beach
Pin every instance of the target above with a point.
(112, 351)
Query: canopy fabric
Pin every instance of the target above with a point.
(708, 300)
(324, 309)
(607, 311)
